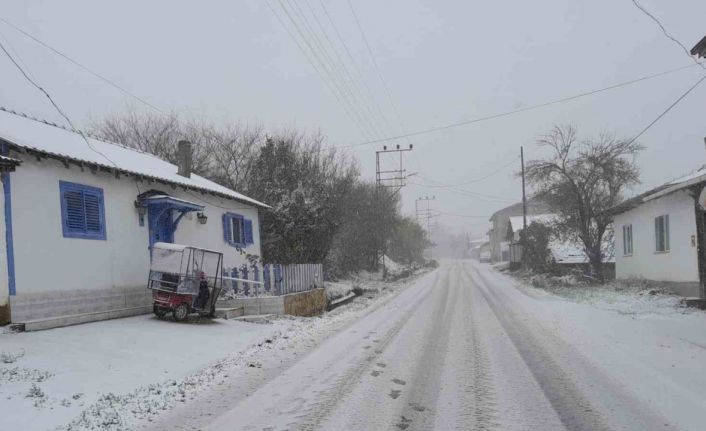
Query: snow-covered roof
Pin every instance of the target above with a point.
(568, 252)
(31, 133)
(696, 177)
(517, 222)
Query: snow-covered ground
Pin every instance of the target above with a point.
(632, 297)
(124, 373)
(76, 367)
(462, 347)
(468, 348)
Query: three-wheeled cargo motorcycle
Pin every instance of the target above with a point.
(184, 280)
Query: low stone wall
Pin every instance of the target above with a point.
(47, 305)
(310, 303)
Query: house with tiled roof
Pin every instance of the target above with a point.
(80, 214)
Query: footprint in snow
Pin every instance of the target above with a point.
(395, 393)
(399, 381)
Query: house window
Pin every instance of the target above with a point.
(82, 211)
(662, 233)
(627, 240)
(237, 230)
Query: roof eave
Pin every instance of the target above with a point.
(700, 48)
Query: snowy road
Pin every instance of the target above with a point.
(460, 349)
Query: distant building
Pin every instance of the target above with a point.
(500, 235)
(658, 238)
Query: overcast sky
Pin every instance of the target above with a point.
(443, 62)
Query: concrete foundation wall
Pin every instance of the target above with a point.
(45, 305)
(310, 303)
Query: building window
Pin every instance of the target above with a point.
(662, 233)
(237, 230)
(82, 211)
(627, 240)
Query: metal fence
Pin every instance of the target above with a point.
(276, 279)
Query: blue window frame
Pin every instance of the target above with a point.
(82, 211)
(237, 230)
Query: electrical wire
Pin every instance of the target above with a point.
(54, 104)
(666, 33)
(338, 63)
(461, 215)
(525, 109)
(659, 117)
(361, 78)
(85, 68)
(319, 65)
(377, 68)
(465, 183)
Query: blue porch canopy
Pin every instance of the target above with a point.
(161, 209)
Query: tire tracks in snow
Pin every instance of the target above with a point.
(319, 410)
(484, 405)
(581, 394)
(574, 410)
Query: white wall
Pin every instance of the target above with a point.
(45, 261)
(680, 263)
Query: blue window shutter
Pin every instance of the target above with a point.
(82, 211)
(74, 216)
(247, 231)
(92, 204)
(227, 228)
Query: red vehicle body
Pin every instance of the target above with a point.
(165, 302)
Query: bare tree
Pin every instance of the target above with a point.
(224, 154)
(581, 180)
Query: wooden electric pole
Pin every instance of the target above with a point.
(523, 236)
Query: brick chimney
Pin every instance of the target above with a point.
(184, 159)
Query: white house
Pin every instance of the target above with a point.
(656, 235)
(79, 216)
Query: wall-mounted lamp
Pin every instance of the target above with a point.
(202, 218)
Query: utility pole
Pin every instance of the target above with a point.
(524, 203)
(425, 213)
(524, 197)
(387, 178)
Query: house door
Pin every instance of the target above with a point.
(161, 225)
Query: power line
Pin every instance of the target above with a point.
(461, 215)
(472, 194)
(316, 65)
(327, 76)
(465, 183)
(666, 33)
(525, 109)
(75, 62)
(353, 62)
(51, 100)
(659, 117)
(377, 68)
(348, 77)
